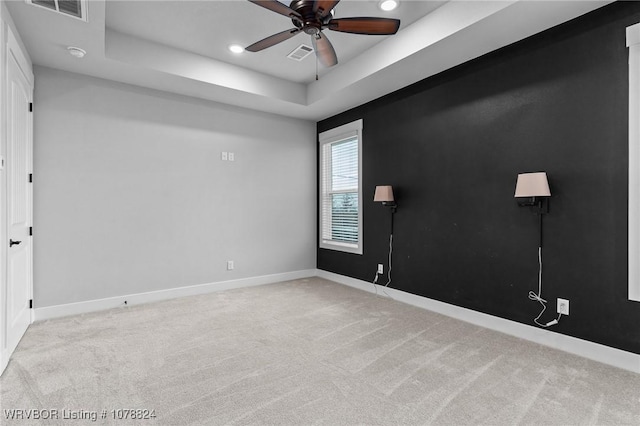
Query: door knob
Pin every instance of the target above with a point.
(12, 243)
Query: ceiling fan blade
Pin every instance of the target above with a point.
(272, 40)
(277, 7)
(324, 50)
(326, 6)
(370, 26)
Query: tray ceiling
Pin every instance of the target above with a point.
(182, 47)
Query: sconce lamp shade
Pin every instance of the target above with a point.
(532, 185)
(383, 194)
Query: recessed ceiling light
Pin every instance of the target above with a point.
(76, 52)
(388, 5)
(236, 48)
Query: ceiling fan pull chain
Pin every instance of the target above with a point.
(317, 67)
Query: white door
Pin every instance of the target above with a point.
(19, 198)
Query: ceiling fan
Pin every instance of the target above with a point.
(313, 16)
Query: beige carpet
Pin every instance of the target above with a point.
(305, 352)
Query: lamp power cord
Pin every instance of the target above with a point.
(537, 297)
(375, 280)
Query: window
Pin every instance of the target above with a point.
(633, 43)
(340, 188)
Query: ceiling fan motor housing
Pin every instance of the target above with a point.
(311, 23)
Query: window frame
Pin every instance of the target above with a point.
(633, 43)
(332, 136)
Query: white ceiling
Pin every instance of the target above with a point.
(181, 46)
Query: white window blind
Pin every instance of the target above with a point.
(340, 188)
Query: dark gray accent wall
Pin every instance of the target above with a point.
(452, 146)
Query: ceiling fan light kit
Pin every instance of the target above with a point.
(313, 16)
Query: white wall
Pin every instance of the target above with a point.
(130, 193)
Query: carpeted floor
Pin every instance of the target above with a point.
(304, 352)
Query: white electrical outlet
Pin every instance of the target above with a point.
(380, 268)
(232, 156)
(563, 306)
(224, 156)
(229, 265)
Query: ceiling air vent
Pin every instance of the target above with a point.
(74, 8)
(300, 52)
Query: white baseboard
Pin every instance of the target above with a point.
(594, 351)
(57, 311)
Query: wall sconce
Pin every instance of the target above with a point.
(532, 190)
(384, 195)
